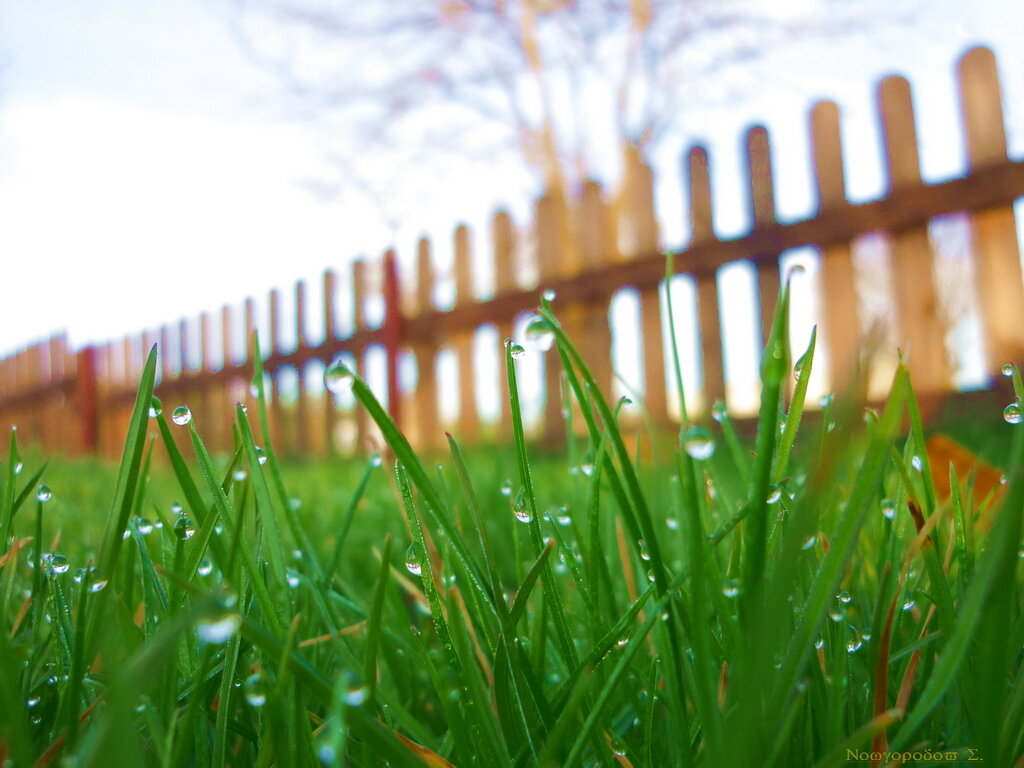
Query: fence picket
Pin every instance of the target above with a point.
(708, 315)
(921, 330)
(840, 311)
(998, 279)
(762, 208)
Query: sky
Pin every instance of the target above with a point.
(148, 171)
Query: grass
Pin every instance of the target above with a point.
(816, 601)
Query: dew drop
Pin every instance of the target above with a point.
(520, 508)
(176, 508)
(731, 588)
(1013, 413)
(819, 643)
(261, 455)
(622, 642)
(909, 605)
(838, 613)
(411, 563)
(181, 415)
(619, 748)
(1008, 369)
(854, 643)
(698, 443)
(539, 334)
(339, 377)
(292, 577)
(719, 412)
(826, 400)
(514, 349)
(59, 564)
(644, 554)
(43, 493)
(376, 460)
(255, 693)
(184, 528)
(775, 493)
(18, 467)
(506, 488)
(844, 597)
(549, 294)
(809, 543)
(220, 630)
(355, 695)
(888, 509)
(144, 525)
(562, 517)
(155, 408)
(205, 567)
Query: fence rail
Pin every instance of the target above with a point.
(586, 249)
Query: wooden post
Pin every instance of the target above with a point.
(503, 251)
(841, 323)
(393, 333)
(274, 405)
(642, 224)
(359, 290)
(708, 318)
(762, 213)
(330, 411)
(995, 250)
(86, 402)
(302, 442)
(551, 236)
(462, 342)
(596, 241)
(922, 333)
(425, 396)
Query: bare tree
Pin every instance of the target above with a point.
(562, 84)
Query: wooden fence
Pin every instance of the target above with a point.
(586, 250)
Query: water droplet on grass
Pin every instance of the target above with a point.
(18, 467)
(888, 509)
(292, 577)
(176, 508)
(144, 525)
(731, 588)
(909, 604)
(219, 630)
(43, 493)
(644, 554)
(539, 334)
(698, 443)
(809, 543)
(672, 524)
(619, 748)
(184, 528)
(59, 564)
(774, 494)
(520, 508)
(181, 415)
(155, 408)
(854, 643)
(1008, 369)
(549, 294)
(205, 567)
(255, 692)
(1013, 413)
(719, 412)
(339, 377)
(515, 349)
(411, 563)
(506, 488)
(844, 597)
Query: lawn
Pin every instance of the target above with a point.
(831, 592)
